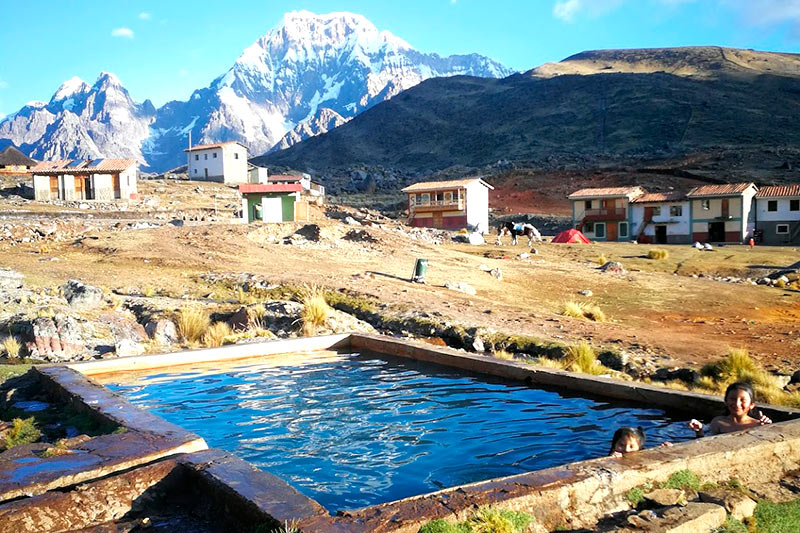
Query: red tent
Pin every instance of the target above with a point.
(571, 236)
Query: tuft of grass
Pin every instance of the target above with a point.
(315, 311)
(192, 323)
(585, 310)
(658, 254)
(23, 431)
(503, 354)
(635, 496)
(149, 291)
(777, 517)
(492, 520)
(441, 526)
(216, 334)
(581, 358)
(682, 479)
(11, 346)
(548, 363)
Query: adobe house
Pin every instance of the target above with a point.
(85, 179)
(662, 218)
(12, 161)
(604, 214)
(222, 162)
(778, 214)
(271, 202)
(722, 213)
(450, 204)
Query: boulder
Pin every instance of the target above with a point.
(10, 279)
(739, 505)
(56, 339)
(123, 327)
(460, 286)
(162, 331)
(309, 232)
(128, 348)
(80, 295)
(240, 320)
(351, 221)
(666, 497)
(692, 518)
(613, 267)
(586, 292)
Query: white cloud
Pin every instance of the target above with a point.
(3, 84)
(122, 32)
(145, 16)
(566, 9)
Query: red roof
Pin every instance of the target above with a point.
(215, 145)
(607, 192)
(727, 189)
(87, 166)
(571, 236)
(653, 197)
(774, 191)
(249, 188)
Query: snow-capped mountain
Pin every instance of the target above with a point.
(310, 74)
(80, 120)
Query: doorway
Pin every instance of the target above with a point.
(437, 220)
(661, 235)
(611, 231)
(716, 231)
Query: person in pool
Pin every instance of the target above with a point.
(627, 440)
(740, 401)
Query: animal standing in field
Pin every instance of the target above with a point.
(516, 229)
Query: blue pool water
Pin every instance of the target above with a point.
(352, 430)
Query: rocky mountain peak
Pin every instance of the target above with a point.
(70, 88)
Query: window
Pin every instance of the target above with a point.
(205, 156)
(794, 205)
(705, 204)
(600, 230)
(623, 229)
(197, 157)
(425, 198)
(587, 204)
(657, 211)
(236, 155)
(215, 155)
(588, 227)
(772, 205)
(195, 171)
(782, 229)
(675, 210)
(448, 197)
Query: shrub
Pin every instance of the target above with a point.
(23, 431)
(315, 311)
(583, 310)
(440, 526)
(635, 496)
(192, 323)
(492, 520)
(215, 335)
(581, 358)
(572, 309)
(657, 253)
(682, 479)
(11, 346)
(592, 312)
(503, 354)
(548, 363)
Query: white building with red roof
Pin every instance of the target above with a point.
(722, 213)
(661, 218)
(452, 204)
(222, 162)
(778, 214)
(85, 179)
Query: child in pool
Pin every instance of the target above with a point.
(740, 401)
(627, 440)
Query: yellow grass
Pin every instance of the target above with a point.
(315, 311)
(548, 363)
(657, 253)
(503, 354)
(581, 358)
(583, 310)
(192, 323)
(216, 334)
(11, 346)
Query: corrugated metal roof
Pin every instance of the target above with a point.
(248, 188)
(215, 145)
(654, 197)
(283, 177)
(725, 189)
(602, 192)
(774, 191)
(437, 185)
(82, 166)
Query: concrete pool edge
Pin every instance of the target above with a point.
(586, 489)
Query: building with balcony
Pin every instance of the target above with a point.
(604, 214)
(722, 213)
(661, 218)
(777, 214)
(453, 204)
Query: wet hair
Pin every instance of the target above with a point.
(742, 386)
(624, 432)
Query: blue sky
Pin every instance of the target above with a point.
(164, 49)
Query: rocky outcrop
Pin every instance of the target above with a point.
(55, 339)
(82, 296)
(162, 331)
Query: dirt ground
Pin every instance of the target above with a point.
(658, 308)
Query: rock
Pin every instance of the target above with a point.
(10, 279)
(309, 232)
(740, 506)
(666, 497)
(460, 286)
(643, 519)
(477, 345)
(782, 380)
(693, 518)
(534, 251)
(497, 273)
(476, 239)
(613, 360)
(351, 221)
(586, 292)
(613, 267)
(81, 296)
(162, 331)
(56, 339)
(240, 320)
(127, 348)
(176, 222)
(687, 375)
(795, 377)
(524, 255)
(123, 327)
(359, 235)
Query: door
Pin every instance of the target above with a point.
(716, 231)
(437, 220)
(80, 188)
(115, 184)
(725, 209)
(611, 231)
(272, 209)
(661, 235)
(206, 172)
(54, 187)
